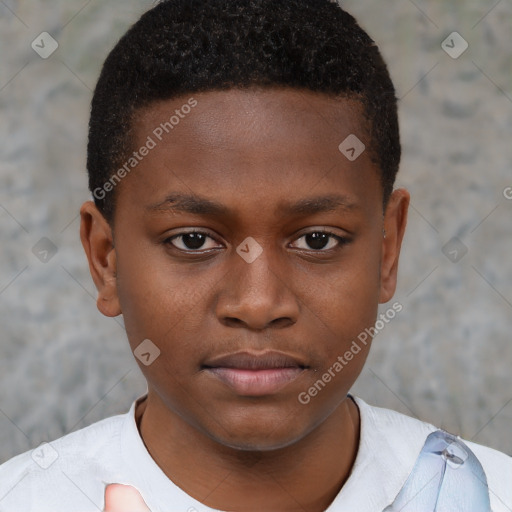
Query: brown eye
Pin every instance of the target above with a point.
(191, 241)
(319, 240)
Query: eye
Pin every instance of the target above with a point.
(319, 239)
(190, 241)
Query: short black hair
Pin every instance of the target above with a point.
(185, 46)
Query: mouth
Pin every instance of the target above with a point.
(250, 374)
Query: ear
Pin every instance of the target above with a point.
(98, 243)
(395, 221)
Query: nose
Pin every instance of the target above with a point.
(258, 295)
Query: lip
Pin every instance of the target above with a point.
(255, 374)
(245, 360)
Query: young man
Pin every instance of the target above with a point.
(242, 156)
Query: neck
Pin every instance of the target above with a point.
(307, 475)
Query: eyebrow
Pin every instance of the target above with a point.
(197, 205)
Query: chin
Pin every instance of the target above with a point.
(261, 436)
(258, 443)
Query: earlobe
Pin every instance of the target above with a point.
(395, 221)
(97, 241)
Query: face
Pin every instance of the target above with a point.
(245, 230)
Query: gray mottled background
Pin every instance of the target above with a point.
(445, 358)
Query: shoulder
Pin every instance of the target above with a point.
(398, 431)
(392, 425)
(52, 468)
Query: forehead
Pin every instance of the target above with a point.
(250, 144)
(232, 117)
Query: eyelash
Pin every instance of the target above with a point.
(341, 241)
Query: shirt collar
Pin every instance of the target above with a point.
(389, 444)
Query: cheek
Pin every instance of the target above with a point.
(160, 302)
(349, 302)
(144, 296)
(344, 336)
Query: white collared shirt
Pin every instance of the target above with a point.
(70, 474)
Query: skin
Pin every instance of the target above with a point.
(250, 150)
(123, 498)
